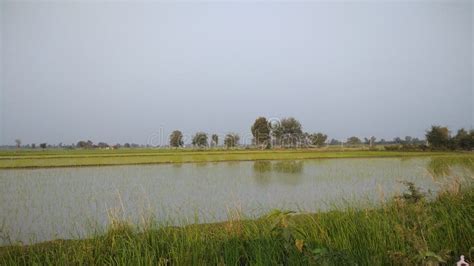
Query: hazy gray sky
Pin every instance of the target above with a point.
(124, 71)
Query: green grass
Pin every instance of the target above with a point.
(73, 158)
(398, 232)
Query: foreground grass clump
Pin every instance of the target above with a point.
(408, 230)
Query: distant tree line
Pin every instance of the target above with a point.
(439, 137)
(103, 145)
(82, 144)
(288, 133)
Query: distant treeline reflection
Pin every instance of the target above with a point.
(290, 166)
(436, 166)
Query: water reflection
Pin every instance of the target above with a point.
(262, 166)
(289, 167)
(292, 167)
(286, 172)
(231, 163)
(201, 164)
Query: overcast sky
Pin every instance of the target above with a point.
(129, 71)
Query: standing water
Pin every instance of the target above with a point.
(44, 204)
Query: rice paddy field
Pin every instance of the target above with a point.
(99, 157)
(242, 207)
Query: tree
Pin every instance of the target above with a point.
(43, 145)
(464, 140)
(305, 139)
(126, 145)
(471, 134)
(370, 141)
(353, 141)
(18, 143)
(318, 139)
(334, 142)
(438, 137)
(33, 146)
(85, 144)
(214, 139)
(408, 140)
(176, 139)
(261, 131)
(200, 140)
(231, 140)
(102, 145)
(288, 132)
(397, 140)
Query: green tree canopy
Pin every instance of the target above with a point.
(288, 132)
(372, 141)
(214, 139)
(200, 140)
(353, 141)
(397, 140)
(176, 139)
(318, 139)
(438, 137)
(464, 140)
(102, 145)
(85, 144)
(261, 131)
(231, 140)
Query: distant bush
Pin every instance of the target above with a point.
(423, 147)
(409, 147)
(406, 147)
(391, 148)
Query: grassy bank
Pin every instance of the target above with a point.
(401, 232)
(34, 159)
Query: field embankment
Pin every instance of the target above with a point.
(75, 158)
